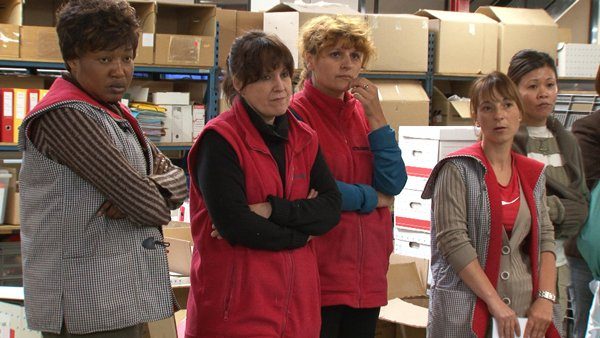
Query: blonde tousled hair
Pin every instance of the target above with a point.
(327, 30)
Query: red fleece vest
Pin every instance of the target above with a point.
(241, 292)
(354, 256)
(63, 90)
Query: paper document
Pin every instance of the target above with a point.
(522, 323)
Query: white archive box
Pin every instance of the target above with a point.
(198, 120)
(578, 60)
(412, 243)
(171, 98)
(423, 146)
(417, 244)
(411, 211)
(179, 119)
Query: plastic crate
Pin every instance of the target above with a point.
(11, 269)
(571, 107)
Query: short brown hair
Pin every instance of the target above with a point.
(93, 25)
(488, 87)
(528, 60)
(252, 55)
(326, 31)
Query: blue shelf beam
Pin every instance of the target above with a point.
(32, 67)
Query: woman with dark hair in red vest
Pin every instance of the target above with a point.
(492, 240)
(259, 182)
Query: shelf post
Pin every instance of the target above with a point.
(212, 104)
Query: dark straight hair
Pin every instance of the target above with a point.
(252, 55)
(528, 60)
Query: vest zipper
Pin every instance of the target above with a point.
(230, 293)
(288, 256)
(360, 260)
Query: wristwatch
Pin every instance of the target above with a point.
(547, 295)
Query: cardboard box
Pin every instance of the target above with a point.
(246, 21)
(12, 213)
(10, 42)
(39, 41)
(40, 44)
(407, 279)
(179, 254)
(285, 20)
(409, 6)
(578, 60)
(40, 12)
(146, 13)
(227, 29)
(164, 328)
(522, 28)
(10, 20)
(465, 43)
(453, 111)
(404, 102)
(401, 42)
(185, 35)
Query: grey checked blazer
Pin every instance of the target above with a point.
(452, 303)
(89, 271)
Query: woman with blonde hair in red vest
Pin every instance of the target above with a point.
(363, 155)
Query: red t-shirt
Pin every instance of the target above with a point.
(511, 194)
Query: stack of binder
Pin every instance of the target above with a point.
(151, 118)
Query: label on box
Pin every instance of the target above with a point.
(147, 40)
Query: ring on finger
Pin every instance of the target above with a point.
(366, 86)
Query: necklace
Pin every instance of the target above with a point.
(542, 146)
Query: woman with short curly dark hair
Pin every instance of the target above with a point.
(87, 26)
(94, 190)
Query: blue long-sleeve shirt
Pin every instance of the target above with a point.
(389, 174)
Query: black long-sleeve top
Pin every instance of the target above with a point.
(221, 181)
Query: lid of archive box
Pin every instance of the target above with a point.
(442, 133)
